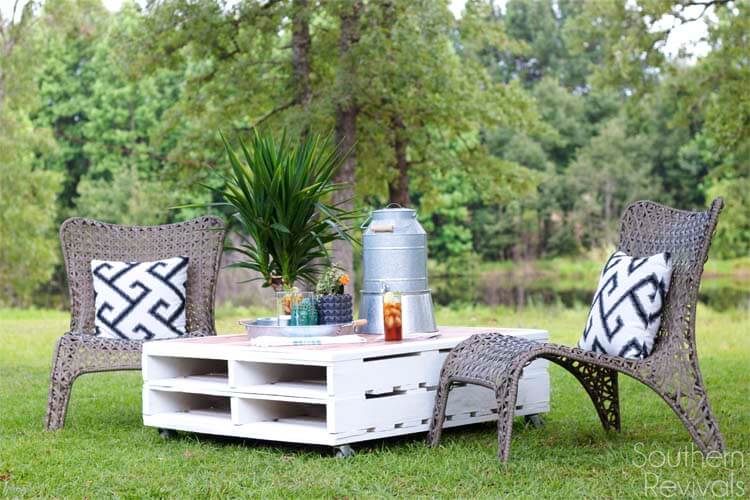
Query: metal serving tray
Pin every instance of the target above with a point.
(253, 329)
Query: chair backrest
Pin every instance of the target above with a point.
(200, 239)
(647, 228)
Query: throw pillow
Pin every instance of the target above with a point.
(140, 300)
(626, 311)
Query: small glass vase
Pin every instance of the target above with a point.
(296, 308)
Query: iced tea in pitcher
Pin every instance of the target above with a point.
(392, 316)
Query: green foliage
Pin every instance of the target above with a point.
(504, 127)
(733, 234)
(698, 114)
(491, 235)
(65, 84)
(732, 181)
(609, 173)
(724, 74)
(536, 25)
(538, 44)
(446, 216)
(416, 73)
(27, 195)
(125, 198)
(28, 250)
(630, 34)
(278, 194)
(679, 160)
(113, 149)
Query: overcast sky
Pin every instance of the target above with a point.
(688, 36)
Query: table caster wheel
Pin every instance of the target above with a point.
(167, 433)
(534, 420)
(344, 451)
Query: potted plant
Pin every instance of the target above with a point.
(334, 306)
(277, 194)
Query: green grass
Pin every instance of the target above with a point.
(105, 451)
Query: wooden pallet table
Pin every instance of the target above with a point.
(331, 395)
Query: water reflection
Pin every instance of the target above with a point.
(516, 291)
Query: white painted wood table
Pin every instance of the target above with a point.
(325, 395)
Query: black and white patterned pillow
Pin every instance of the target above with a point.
(626, 312)
(140, 300)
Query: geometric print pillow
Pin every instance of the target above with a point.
(626, 312)
(140, 300)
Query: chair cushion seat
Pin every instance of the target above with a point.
(626, 311)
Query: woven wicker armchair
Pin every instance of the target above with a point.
(79, 351)
(497, 361)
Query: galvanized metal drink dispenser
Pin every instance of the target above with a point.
(394, 258)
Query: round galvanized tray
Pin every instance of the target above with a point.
(255, 330)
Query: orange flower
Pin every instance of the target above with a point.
(344, 279)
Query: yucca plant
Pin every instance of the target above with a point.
(279, 193)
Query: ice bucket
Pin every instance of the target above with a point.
(394, 258)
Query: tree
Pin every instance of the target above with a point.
(65, 85)
(710, 92)
(27, 212)
(113, 150)
(28, 250)
(426, 95)
(631, 34)
(131, 178)
(347, 111)
(239, 67)
(534, 24)
(729, 177)
(733, 233)
(607, 174)
(388, 77)
(448, 224)
(676, 166)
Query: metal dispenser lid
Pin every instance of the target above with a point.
(397, 220)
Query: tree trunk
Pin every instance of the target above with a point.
(346, 130)
(398, 189)
(301, 53)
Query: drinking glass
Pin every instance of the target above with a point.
(284, 306)
(297, 308)
(392, 316)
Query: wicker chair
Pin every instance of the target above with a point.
(497, 361)
(78, 351)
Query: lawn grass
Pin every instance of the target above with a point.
(105, 451)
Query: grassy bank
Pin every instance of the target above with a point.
(567, 268)
(105, 451)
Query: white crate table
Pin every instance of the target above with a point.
(325, 395)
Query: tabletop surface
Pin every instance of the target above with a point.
(239, 347)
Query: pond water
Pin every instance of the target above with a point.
(518, 291)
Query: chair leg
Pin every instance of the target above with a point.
(506, 394)
(601, 385)
(61, 382)
(692, 406)
(438, 412)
